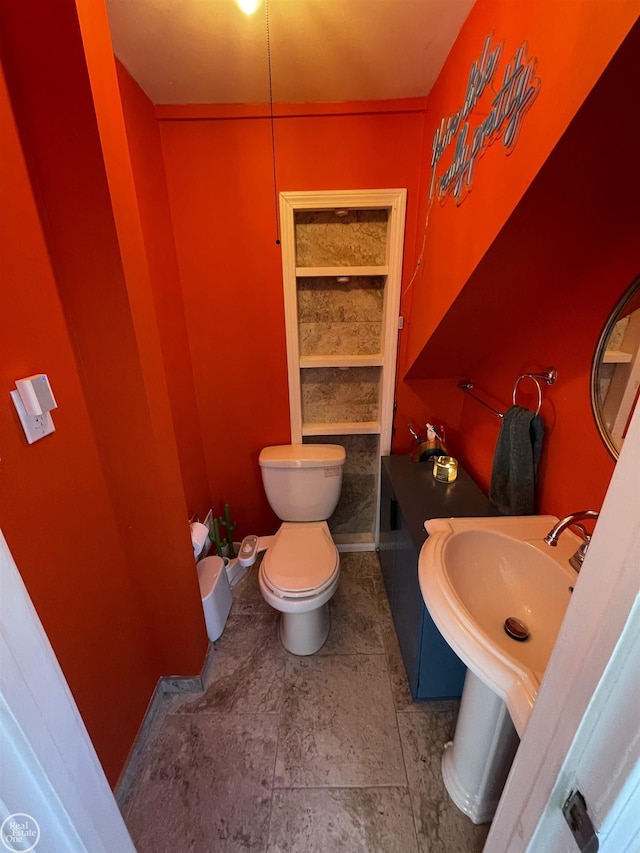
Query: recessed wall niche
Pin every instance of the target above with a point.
(340, 395)
(341, 263)
(340, 317)
(324, 238)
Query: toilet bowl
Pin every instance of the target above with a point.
(301, 568)
(299, 574)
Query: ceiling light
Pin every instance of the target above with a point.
(248, 6)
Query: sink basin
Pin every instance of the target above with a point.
(474, 574)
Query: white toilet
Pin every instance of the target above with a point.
(301, 568)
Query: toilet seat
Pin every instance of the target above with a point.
(302, 561)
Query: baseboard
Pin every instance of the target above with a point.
(166, 684)
(352, 547)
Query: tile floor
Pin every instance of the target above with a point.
(305, 755)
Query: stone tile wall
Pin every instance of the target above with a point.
(340, 318)
(326, 240)
(335, 395)
(356, 508)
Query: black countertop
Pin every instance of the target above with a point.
(420, 496)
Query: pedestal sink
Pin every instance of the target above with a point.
(475, 574)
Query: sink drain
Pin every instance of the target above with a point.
(516, 629)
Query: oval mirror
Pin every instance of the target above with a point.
(615, 372)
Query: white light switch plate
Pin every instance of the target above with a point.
(35, 426)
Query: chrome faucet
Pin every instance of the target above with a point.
(553, 535)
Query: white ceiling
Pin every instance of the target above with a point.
(209, 52)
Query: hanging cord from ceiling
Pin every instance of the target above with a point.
(403, 307)
(421, 255)
(273, 129)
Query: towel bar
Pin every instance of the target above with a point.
(548, 375)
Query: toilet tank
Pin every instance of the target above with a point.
(302, 481)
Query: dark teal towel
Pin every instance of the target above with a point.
(515, 462)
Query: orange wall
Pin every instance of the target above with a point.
(539, 292)
(573, 42)
(56, 508)
(97, 518)
(220, 180)
(151, 191)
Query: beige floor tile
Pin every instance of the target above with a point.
(355, 763)
(362, 564)
(337, 724)
(247, 598)
(205, 785)
(441, 826)
(353, 820)
(355, 626)
(397, 674)
(247, 675)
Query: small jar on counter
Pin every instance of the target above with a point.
(445, 468)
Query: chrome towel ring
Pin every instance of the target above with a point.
(548, 375)
(537, 384)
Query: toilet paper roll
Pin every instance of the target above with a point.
(199, 537)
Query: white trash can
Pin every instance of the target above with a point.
(215, 593)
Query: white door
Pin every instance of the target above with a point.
(54, 795)
(584, 731)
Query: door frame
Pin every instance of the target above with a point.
(566, 730)
(49, 772)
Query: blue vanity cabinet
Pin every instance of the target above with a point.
(388, 535)
(410, 495)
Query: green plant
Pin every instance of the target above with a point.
(229, 527)
(214, 535)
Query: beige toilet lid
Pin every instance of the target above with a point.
(301, 560)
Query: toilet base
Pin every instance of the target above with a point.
(305, 633)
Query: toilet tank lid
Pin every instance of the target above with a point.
(302, 456)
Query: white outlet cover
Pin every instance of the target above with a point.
(35, 426)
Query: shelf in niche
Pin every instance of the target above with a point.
(354, 541)
(336, 428)
(333, 272)
(341, 360)
(616, 356)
